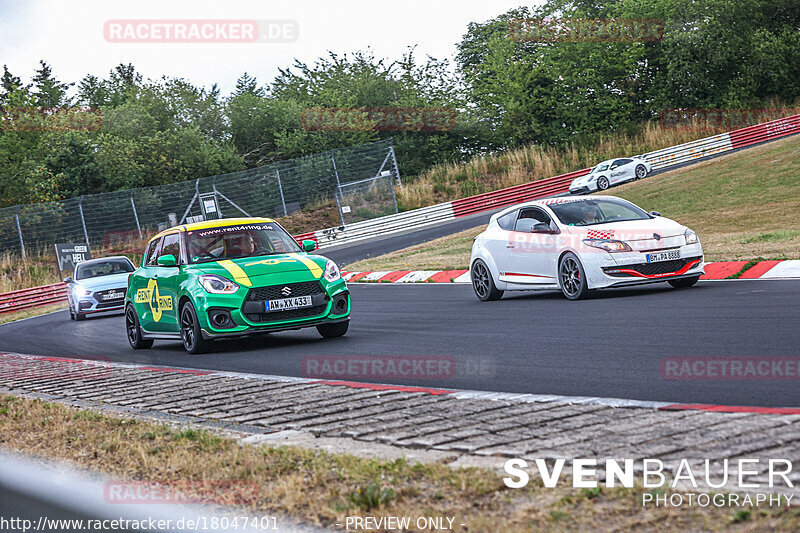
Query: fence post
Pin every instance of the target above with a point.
(19, 230)
(219, 204)
(394, 162)
(394, 198)
(338, 189)
(136, 215)
(83, 220)
(280, 188)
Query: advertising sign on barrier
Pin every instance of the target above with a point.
(69, 256)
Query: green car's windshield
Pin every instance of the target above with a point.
(241, 240)
(600, 211)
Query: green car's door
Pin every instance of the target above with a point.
(143, 283)
(164, 295)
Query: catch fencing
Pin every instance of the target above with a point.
(124, 218)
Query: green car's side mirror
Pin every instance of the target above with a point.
(166, 261)
(309, 245)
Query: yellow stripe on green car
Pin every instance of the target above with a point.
(236, 271)
(315, 269)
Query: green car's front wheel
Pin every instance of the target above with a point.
(134, 331)
(191, 335)
(336, 329)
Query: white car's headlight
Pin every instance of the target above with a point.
(81, 291)
(217, 284)
(691, 237)
(332, 271)
(608, 245)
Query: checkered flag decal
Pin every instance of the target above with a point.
(596, 234)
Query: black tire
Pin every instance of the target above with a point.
(684, 283)
(331, 331)
(71, 314)
(482, 282)
(192, 337)
(602, 183)
(133, 331)
(80, 316)
(641, 172)
(572, 277)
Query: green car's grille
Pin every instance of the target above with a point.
(288, 290)
(294, 314)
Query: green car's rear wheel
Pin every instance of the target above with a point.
(336, 329)
(191, 335)
(134, 331)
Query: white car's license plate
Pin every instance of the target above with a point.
(285, 304)
(113, 295)
(663, 256)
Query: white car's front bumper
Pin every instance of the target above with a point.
(605, 269)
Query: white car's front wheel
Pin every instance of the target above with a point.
(572, 277)
(602, 183)
(482, 282)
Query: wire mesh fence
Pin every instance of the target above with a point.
(120, 218)
(367, 198)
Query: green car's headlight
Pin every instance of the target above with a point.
(332, 271)
(217, 284)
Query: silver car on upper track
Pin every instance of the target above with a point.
(98, 286)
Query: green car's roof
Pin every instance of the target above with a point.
(208, 224)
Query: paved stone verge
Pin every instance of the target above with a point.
(461, 427)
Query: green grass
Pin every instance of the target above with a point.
(323, 488)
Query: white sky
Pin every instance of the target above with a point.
(68, 34)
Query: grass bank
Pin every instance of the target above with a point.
(323, 488)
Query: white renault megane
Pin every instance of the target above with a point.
(580, 243)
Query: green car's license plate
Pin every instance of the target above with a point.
(288, 303)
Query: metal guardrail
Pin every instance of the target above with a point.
(33, 297)
(660, 159)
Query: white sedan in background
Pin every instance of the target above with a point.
(611, 172)
(581, 243)
(98, 286)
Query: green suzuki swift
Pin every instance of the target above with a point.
(231, 277)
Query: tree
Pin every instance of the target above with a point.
(9, 84)
(75, 167)
(247, 84)
(48, 91)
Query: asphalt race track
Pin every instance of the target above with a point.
(608, 346)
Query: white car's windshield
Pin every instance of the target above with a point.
(600, 211)
(241, 240)
(96, 269)
(601, 167)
